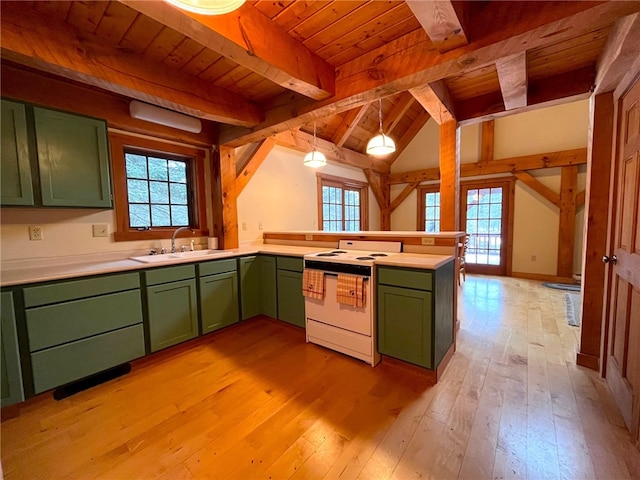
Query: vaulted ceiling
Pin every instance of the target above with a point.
(276, 67)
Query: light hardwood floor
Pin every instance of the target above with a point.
(255, 401)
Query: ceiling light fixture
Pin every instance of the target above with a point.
(380, 145)
(162, 116)
(207, 7)
(315, 158)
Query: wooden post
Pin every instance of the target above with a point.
(449, 177)
(595, 235)
(488, 129)
(566, 234)
(224, 201)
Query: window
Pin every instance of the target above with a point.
(429, 209)
(342, 204)
(158, 187)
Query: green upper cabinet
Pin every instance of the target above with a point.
(15, 167)
(258, 293)
(73, 159)
(11, 388)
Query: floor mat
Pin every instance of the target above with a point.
(571, 287)
(574, 308)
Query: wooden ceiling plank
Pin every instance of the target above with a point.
(251, 39)
(512, 73)
(303, 142)
(115, 23)
(505, 165)
(251, 167)
(435, 99)
(348, 124)
(443, 21)
(409, 62)
(538, 187)
(621, 50)
(403, 104)
(403, 195)
(487, 141)
(25, 39)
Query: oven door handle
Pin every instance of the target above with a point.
(332, 274)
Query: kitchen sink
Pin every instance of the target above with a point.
(165, 257)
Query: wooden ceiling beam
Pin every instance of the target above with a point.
(621, 50)
(410, 62)
(435, 99)
(487, 141)
(303, 142)
(252, 40)
(53, 47)
(443, 20)
(402, 196)
(348, 125)
(512, 74)
(561, 158)
(403, 104)
(540, 188)
(251, 167)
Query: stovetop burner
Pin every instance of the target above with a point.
(327, 254)
(339, 251)
(365, 258)
(377, 254)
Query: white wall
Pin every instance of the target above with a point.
(282, 195)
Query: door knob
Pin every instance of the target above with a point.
(613, 259)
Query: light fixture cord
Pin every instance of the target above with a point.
(380, 114)
(314, 136)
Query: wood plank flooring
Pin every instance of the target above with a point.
(255, 401)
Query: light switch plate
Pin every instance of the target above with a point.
(100, 230)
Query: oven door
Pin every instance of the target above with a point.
(330, 312)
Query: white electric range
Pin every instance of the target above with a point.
(344, 328)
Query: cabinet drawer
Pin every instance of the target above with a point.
(403, 277)
(60, 365)
(73, 290)
(171, 274)
(64, 322)
(218, 266)
(294, 264)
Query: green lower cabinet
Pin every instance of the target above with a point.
(258, 294)
(11, 388)
(404, 324)
(173, 313)
(290, 298)
(219, 301)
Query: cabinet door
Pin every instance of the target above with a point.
(11, 388)
(74, 159)
(173, 313)
(290, 299)
(218, 301)
(250, 287)
(404, 324)
(268, 285)
(15, 167)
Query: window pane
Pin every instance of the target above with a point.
(158, 169)
(495, 226)
(496, 195)
(325, 194)
(495, 210)
(138, 191)
(136, 165)
(160, 216)
(139, 216)
(159, 192)
(178, 193)
(484, 195)
(177, 171)
(179, 215)
(483, 226)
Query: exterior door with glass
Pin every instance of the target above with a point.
(485, 213)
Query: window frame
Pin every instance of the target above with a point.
(324, 179)
(422, 191)
(196, 158)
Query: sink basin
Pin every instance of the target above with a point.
(166, 257)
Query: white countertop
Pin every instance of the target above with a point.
(33, 271)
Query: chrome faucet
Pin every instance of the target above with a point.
(173, 237)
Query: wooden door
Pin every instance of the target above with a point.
(623, 355)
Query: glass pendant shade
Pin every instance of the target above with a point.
(380, 145)
(315, 159)
(207, 7)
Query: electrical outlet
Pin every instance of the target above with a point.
(35, 232)
(244, 226)
(100, 230)
(259, 225)
(428, 241)
(308, 236)
(533, 258)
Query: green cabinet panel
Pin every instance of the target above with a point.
(293, 264)
(268, 285)
(66, 363)
(76, 289)
(11, 389)
(217, 266)
(73, 159)
(258, 294)
(64, 322)
(218, 301)
(404, 277)
(290, 298)
(404, 324)
(169, 274)
(16, 188)
(173, 313)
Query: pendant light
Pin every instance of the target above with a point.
(380, 145)
(207, 7)
(315, 159)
